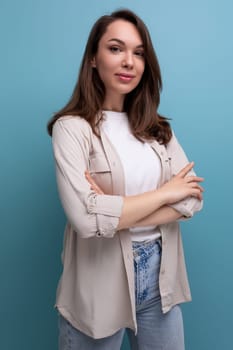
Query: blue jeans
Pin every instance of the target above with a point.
(156, 331)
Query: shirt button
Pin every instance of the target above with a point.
(163, 271)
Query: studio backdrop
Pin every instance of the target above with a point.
(41, 47)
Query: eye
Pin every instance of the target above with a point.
(115, 49)
(139, 53)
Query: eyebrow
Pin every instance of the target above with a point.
(123, 43)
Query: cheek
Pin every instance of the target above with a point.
(140, 73)
(104, 70)
(104, 77)
(142, 68)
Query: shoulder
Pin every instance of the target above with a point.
(173, 143)
(73, 126)
(71, 121)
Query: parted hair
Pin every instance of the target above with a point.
(141, 104)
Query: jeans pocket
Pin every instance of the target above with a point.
(146, 268)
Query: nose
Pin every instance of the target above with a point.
(127, 61)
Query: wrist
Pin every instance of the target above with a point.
(161, 197)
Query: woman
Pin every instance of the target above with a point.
(124, 182)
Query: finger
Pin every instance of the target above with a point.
(194, 179)
(87, 174)
(89, 178)
(197, 186)
(201, 188)
(199, 196)
(96, 189)
(93, 184)
(183, 172)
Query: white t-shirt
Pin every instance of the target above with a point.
(142, 168)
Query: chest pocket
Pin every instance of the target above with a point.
(101, 172)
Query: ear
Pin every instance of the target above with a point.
(93, 62)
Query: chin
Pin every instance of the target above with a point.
(127, 90)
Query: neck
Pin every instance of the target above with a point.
(112, 110)
(114, 103)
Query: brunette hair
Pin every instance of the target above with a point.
(141, 104)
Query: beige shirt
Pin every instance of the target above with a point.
(96, 290)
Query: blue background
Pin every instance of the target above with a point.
(41, 46)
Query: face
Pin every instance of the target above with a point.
(119, 61)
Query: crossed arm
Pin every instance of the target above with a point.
(152, 208)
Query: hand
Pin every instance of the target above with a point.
(182, 186)
(94, 186)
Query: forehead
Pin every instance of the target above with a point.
(124, 31)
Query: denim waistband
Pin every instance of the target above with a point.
(146, 244)
(146, 247)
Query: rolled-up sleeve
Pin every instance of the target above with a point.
(89, 214)
(178, 160)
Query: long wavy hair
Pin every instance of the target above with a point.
(141, 104)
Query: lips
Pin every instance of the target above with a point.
(125, 76)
